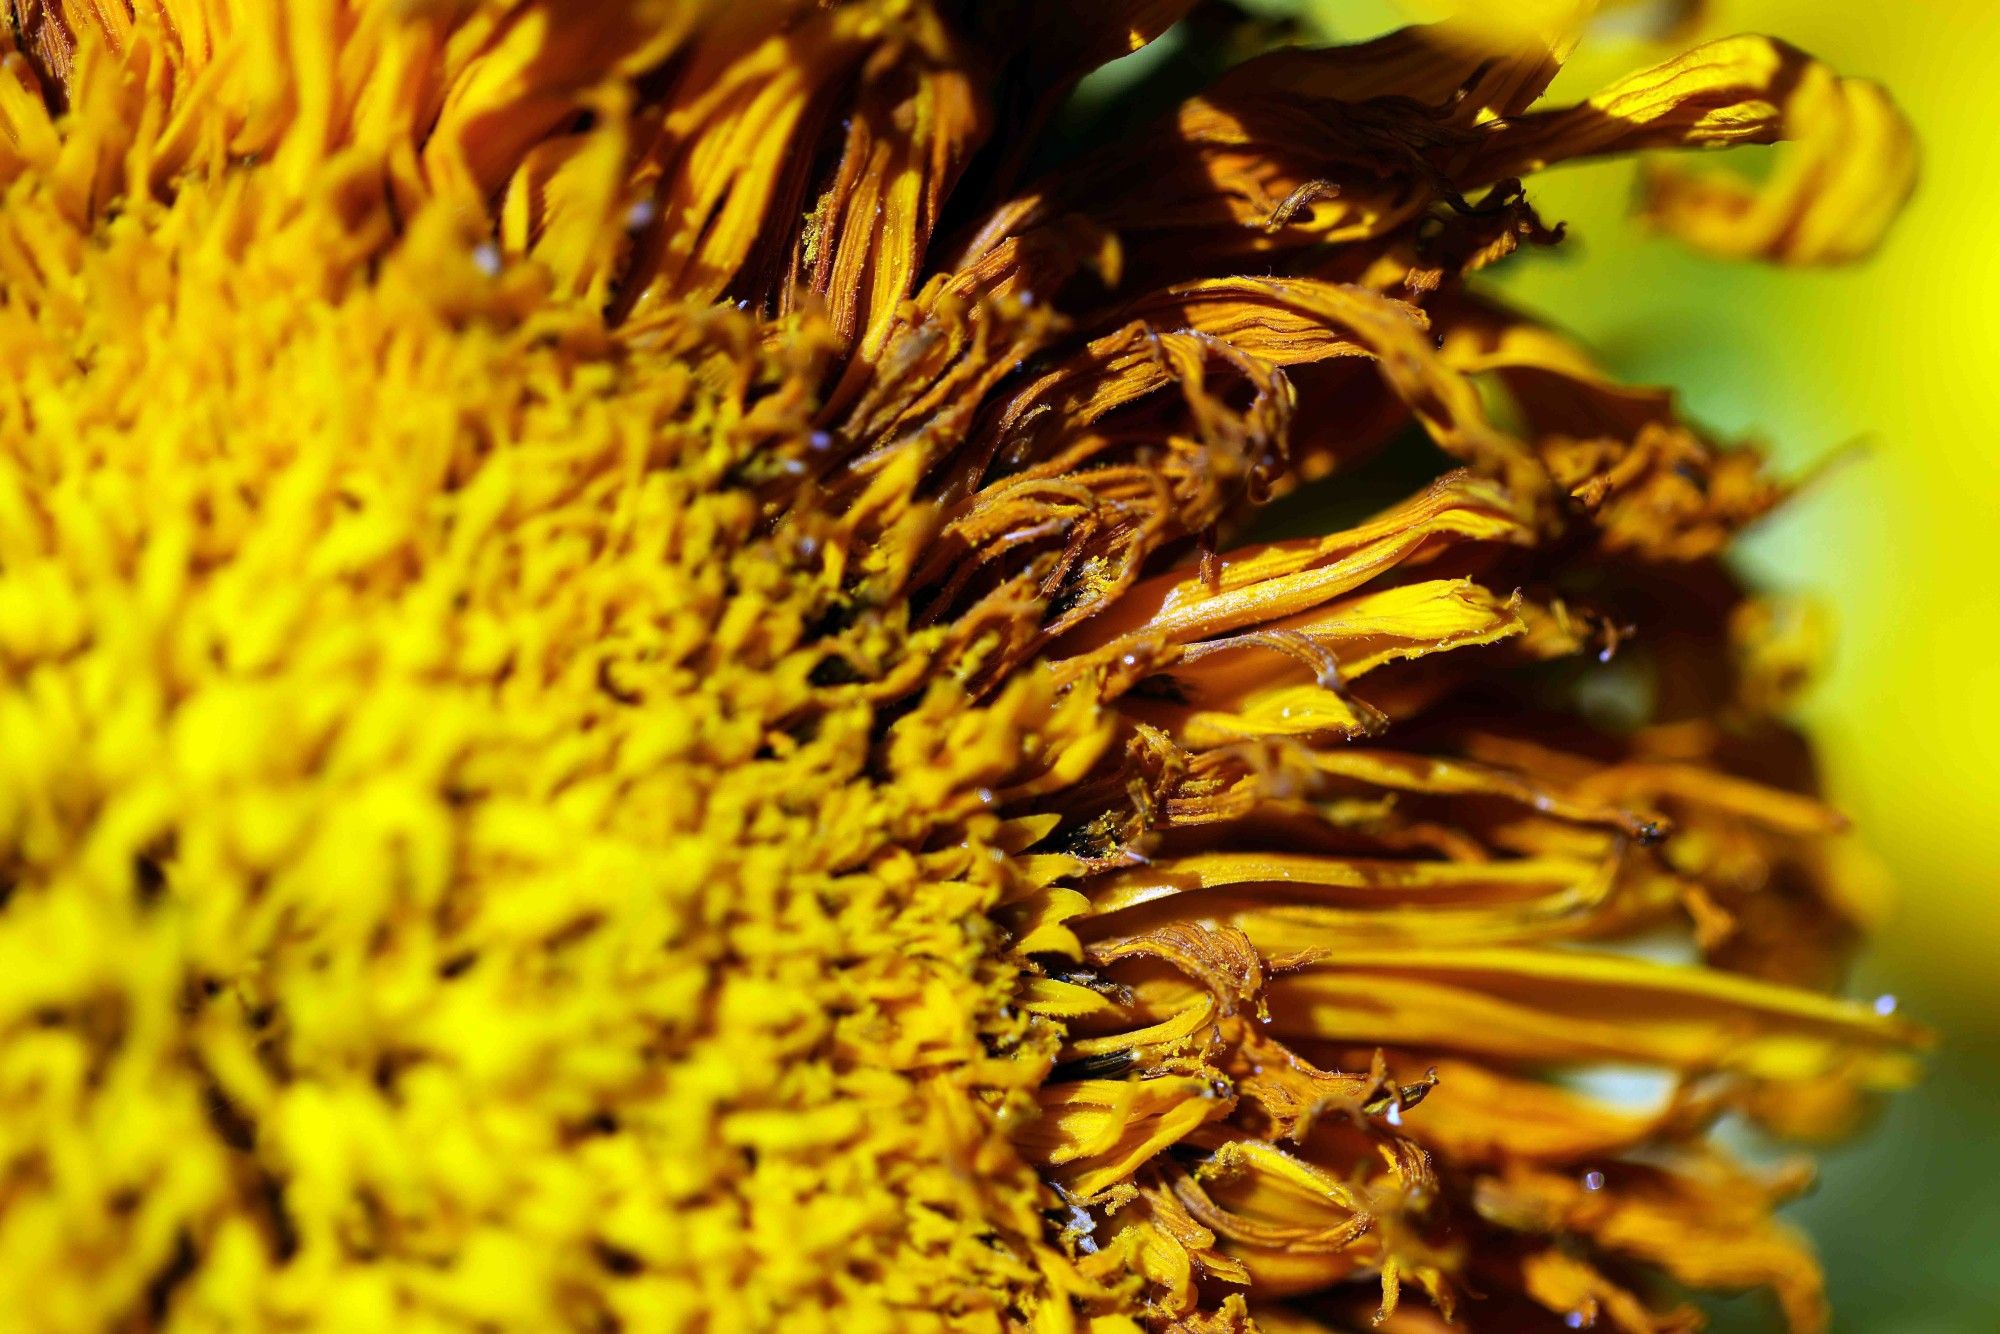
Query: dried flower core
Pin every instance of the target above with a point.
(634, 699)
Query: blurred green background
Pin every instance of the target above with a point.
(1902, 541)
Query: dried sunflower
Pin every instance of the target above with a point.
(636, 694)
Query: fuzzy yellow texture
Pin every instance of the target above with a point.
(344, 605)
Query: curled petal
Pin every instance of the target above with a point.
(1853, 165)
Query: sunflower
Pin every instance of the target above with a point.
(639, 690)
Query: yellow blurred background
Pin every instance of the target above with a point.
(1902, 541)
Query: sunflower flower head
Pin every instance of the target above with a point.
(637, 693)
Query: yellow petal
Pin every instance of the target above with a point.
(1561, 1006)
(1852, 167)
